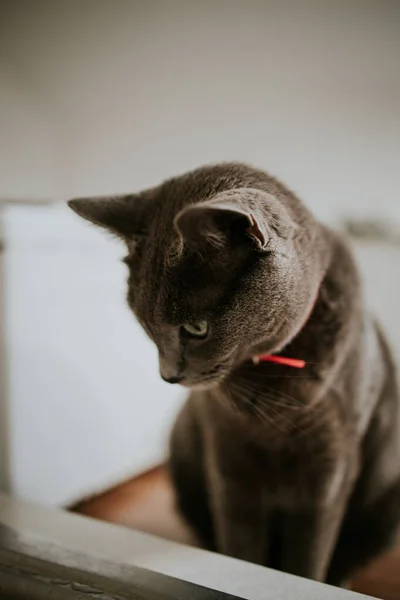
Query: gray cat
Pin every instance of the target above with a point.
(298, 469)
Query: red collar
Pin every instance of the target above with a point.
(295, 363)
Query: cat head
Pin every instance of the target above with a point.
(223, 263)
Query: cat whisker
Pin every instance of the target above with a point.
(279, 406)
(279, 396)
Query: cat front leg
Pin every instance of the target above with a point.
(310, 534)
(240, 517)
(308, 541)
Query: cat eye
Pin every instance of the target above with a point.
(196, 330)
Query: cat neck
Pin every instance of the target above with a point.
(323, 342)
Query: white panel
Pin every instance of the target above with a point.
(380, 268)
(87, 405)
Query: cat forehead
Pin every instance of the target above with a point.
(175, 291)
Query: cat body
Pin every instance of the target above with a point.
(294, 469)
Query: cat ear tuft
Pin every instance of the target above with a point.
(118, 214)
(234, 216)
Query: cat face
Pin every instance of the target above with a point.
(221, 267)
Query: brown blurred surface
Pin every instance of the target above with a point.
(146, 503)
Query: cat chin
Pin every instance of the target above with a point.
(202, 386)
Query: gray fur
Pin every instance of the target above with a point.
(299, 470)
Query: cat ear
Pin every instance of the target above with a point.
(119, 214)
(234, 216)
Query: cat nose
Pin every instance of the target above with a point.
(172, 379)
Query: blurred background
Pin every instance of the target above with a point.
(102, 97)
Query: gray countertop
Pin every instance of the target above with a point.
(126, 547)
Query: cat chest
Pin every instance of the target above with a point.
(290, 481)
(290, 477)
(294, 466)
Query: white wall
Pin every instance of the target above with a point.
(29, 147)
(102, 96)
(307, 89)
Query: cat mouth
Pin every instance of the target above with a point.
(209, 379)
(213, 376)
